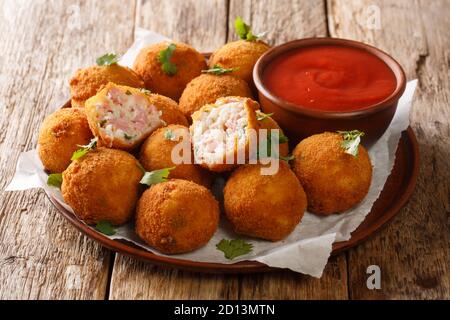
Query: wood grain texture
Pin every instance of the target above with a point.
(200, 23)
(132, 279)
(413, 250)
(42, 43)
(283, 20)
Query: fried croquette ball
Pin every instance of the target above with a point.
(270, 124)
(221, 133)
(207, 88)
(188, 62)
(60, 136)
(170, 112)
(103, 185)
(264, 206)
(122, 117)
(156, 154)
(177, 216)
(334, 181)
(240, 55)
(87, 82)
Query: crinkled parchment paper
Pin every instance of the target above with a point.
(308, 247)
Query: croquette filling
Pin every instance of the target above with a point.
(219, 132)
(126, 116)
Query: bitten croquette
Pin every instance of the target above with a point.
(188, 63)
(264, 206)
(156, 154)
(221, 133)
(103, 185)
(177, 216)
(87, 82)
(61, 134)
(207, 88)
(334, 181)
(122, 117)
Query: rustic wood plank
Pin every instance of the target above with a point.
(290, 286)
(200, 23)
(132, 279)
(283, 20)
(42, 43)
(413, 251)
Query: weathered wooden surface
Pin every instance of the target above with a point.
(413, 251)
(43, 42)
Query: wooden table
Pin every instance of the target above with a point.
(43, 42)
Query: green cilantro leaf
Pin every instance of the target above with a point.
(283, 138)
(85, 149)
(128, 93)
(218, 70)
(127, 136)
(55, 180)
(145, 91)
(168, 67)
(260, 116)
(106, 228)
(288, 158)
(351, 141)
(170, 135)
(108, 59)
(234, 248)
(244, 31)
(156, 176)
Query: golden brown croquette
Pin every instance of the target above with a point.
(60, 136)
(240, 55)
(207, 88)
(188, 62)
(103, 185)
(123, 117)
(221, 133)
(334, 181)
(156, 154)
(264, 206)
(177, 216)
(87, 82)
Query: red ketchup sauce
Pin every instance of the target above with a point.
(330, 78)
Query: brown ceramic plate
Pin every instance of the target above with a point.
(395, 194)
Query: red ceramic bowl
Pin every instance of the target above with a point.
(300, 122)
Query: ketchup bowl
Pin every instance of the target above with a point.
(327, 84)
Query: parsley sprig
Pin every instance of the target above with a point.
(234, 248)
(170, 135)
(55, 180)
(165, 55)
(260, 116)
(157, 176)
(244, 30)
(85, 149)
(108, 59)
(218, 70)
(351, 141)
(106, 228)
(145, 91)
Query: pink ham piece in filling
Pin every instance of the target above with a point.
(124, 116)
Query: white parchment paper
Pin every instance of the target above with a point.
(307, 248)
